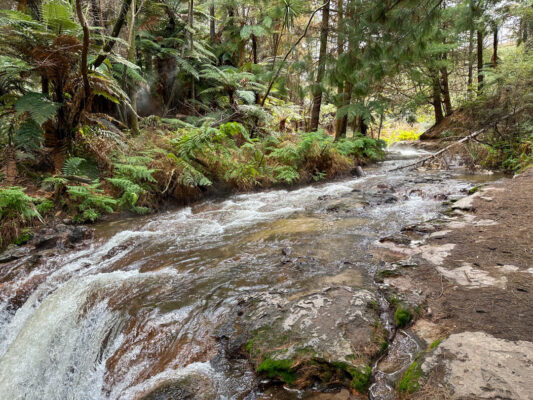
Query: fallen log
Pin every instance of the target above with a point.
(465, 139)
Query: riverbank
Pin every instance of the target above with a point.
(468, 275)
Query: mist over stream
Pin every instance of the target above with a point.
(142, 304)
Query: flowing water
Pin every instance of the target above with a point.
(142, 305)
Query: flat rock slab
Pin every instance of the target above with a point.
(478, 365)
(335, 327)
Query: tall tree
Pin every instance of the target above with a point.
(317, 89)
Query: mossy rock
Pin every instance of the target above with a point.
(281, 369)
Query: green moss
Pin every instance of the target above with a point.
(373, 305)
(383, 346)
(409, 383)
(388, 273)
(475, 189)
(281, 369)
(360, 376)
(402, 317)
(24, 237)
(435, 343)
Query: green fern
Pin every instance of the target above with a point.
(29, 135)
(14, 203)
(137, 173)
(130, 194)
(286, 174)
(72, 166)
(188, 175)
(37, 106)
(90, 202)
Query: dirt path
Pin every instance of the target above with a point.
(470, 278)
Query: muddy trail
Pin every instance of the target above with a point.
(226, 299)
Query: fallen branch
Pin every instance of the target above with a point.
(465, 139)
(75, 178)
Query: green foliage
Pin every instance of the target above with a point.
(45, 206)
(29, 135)
(15, 204)
(281, 369)
(435, 343)
(402, 317)
(360, 376)
(72, 166)
(286, 174)
(409, 383)
(25, 236)
(90, 202)
(130, 194)
(38, 106)
(135, 172)
(361, 147)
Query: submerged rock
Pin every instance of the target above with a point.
(195, 386)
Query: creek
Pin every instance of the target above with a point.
(143, 303)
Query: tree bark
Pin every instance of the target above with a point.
(114, 34)
(495, 47)
(480, 76)
(191, 41)
(347, 97)
(212, 22)
(317, 90)
(84, 52)
(470, 61)
(131, 115)
(340, 51)
(437, 102)
(254, 48)
(445, 88)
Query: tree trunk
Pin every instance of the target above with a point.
(340, 51)
(212, 22)
(84, 52)
(445, 88)
(114, 34)
(343, 125)
(495, 48)
(470, 61)
(317, 90)
(254, 49)
(191, 41)
(480, 60)
(437, 102)
(131, 116)
(45, 85)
